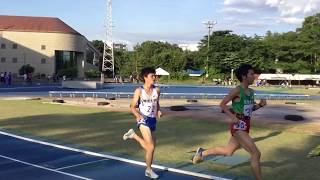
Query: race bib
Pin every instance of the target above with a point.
(247, 110)
(241, 125)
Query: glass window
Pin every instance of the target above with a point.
(90, 56)
(65, 59)
(3, 60)
(14, 60)
(14, 46)
(3, 46)
(43, 61)
(43, 47)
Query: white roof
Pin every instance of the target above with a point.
(195, 75)
(289, 77)
(161, 72)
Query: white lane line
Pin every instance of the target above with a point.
(41, 167)
(115, 157)
(91, 162)
(33, 87)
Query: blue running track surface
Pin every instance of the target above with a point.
(27, 159)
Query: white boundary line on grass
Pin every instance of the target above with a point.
(41, 167)
(117, 158)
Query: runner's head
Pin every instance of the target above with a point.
(148, 75)
(245, 73)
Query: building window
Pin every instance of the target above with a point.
(43, 61)
(14, 60)
(14, 46)
(3, 60)
(43, 47)
(3, 46)
(65, 59)
(90, 56)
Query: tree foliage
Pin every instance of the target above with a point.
(293, 52)
(26, 69)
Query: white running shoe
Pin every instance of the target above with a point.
(129, 134)
(198, 156)
(151, 174)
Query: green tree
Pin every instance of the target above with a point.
(99, 45)
(26, 69)
(160, 54)
(227, 51)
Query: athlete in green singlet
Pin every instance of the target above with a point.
(243, 104)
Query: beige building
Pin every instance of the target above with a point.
(47, 44)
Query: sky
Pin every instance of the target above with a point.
(174, 21)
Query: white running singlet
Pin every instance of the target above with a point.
(148, 103)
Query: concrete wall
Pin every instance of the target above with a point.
(81, 84)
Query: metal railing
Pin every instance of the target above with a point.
(85, 94)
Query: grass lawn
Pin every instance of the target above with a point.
(283, 153)
(315, 92)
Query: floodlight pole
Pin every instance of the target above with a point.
(209, 24)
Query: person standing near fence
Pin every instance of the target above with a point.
(9, 79)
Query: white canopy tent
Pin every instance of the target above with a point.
(161, 72)
(297, 77)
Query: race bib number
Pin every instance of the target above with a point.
(241, 125)
(247, 110)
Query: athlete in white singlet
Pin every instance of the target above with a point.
(147, 98)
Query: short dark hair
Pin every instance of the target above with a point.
(243, 71)
(145, 71)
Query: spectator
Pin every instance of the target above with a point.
(9, 79)
(25, 77)
(2, 77)
(131, 78)
(48, 77)
(120, 80)
(29, 78)
(5, 77)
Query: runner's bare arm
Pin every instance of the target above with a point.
(134, 102)
(159, 113)
(232, 95)
(261, 104)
